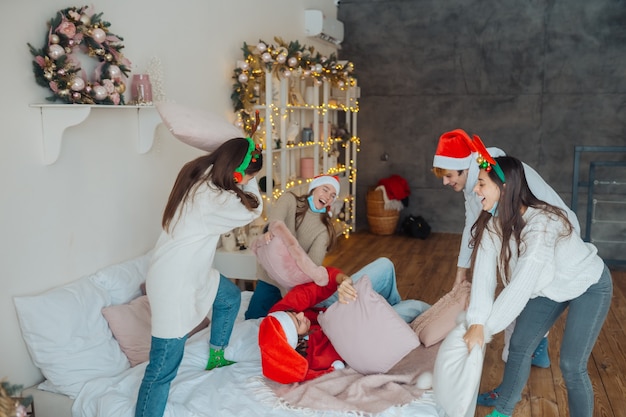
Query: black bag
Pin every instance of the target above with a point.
(416, 226)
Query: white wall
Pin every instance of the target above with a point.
(101, 202)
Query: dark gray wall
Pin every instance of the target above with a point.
(535, 78)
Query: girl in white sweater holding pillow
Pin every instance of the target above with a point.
(546, 268)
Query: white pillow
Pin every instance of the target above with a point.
(200, 129)
(67, 336)
(456, 375)
(122, 281)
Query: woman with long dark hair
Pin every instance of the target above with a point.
(546, 268)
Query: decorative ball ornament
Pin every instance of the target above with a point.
(79, 29)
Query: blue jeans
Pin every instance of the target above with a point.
(167, 354)
(584, 320)
(225, 308)
(382, 275)
(263, 298)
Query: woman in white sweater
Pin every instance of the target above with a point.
(212, 195)
(546, 268)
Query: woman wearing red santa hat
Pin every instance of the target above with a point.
(294, 348)
(308, 218)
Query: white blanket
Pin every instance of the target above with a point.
(236, 390)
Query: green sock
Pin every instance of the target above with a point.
(496, 413)
(216, 359)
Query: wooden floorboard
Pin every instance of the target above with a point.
(425, 270)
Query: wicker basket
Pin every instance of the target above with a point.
(381, 221)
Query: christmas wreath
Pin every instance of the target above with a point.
(57, 67)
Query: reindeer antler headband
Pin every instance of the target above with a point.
(254, 151)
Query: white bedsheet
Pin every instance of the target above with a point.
(232, 391)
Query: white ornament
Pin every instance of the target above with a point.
(99, 92)
(266, 57)
(85, 20)
(261, 47)
(56, 51)
(243, 78)
(281, 59)
(318, 67)
(115, 72)
(243, 65)
(54, 38)
(98, 35)
(292, 62)
(78, 84)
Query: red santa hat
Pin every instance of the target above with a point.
(278, 338)
(325, 179)
(454, 151)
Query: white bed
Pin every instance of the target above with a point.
(236, 390)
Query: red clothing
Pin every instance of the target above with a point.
(320, 352)
(396, 187)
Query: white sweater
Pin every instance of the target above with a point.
(473, 207)
(551, 266)
(181, 282)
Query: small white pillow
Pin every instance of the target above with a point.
(200, 129)
(122, 281)
(456, 376)
(67, 336)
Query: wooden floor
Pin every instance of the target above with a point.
(425, 271)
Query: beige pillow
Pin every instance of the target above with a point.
(131, 326)
(434, 324)
(368, 333)
(200, 129)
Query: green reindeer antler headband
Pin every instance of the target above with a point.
(254, 151)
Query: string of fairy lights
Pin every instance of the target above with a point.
(293, 61)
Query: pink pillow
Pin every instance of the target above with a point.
(200, 129)
(434, 324)
(368, 333)
(284, 259)
(131, 327)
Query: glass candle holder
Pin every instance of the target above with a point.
(141, 89)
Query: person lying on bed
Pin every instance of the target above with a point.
(293, 345)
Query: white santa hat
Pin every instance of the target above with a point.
(324, 179)
(454, 151)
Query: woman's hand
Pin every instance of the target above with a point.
(268, 237)
(475, 335)
(346, 290)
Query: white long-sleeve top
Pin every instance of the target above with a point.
(473, 207)
(181, 282)
(552, 266)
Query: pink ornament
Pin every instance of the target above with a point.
(99, 92)
(56, 51)
(77, 84)
(98, 35)
(115, 72)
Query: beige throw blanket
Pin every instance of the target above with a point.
(348, 391)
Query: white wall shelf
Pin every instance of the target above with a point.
(55, 118)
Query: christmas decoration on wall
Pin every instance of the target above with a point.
(57, 67)
(283, 60)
